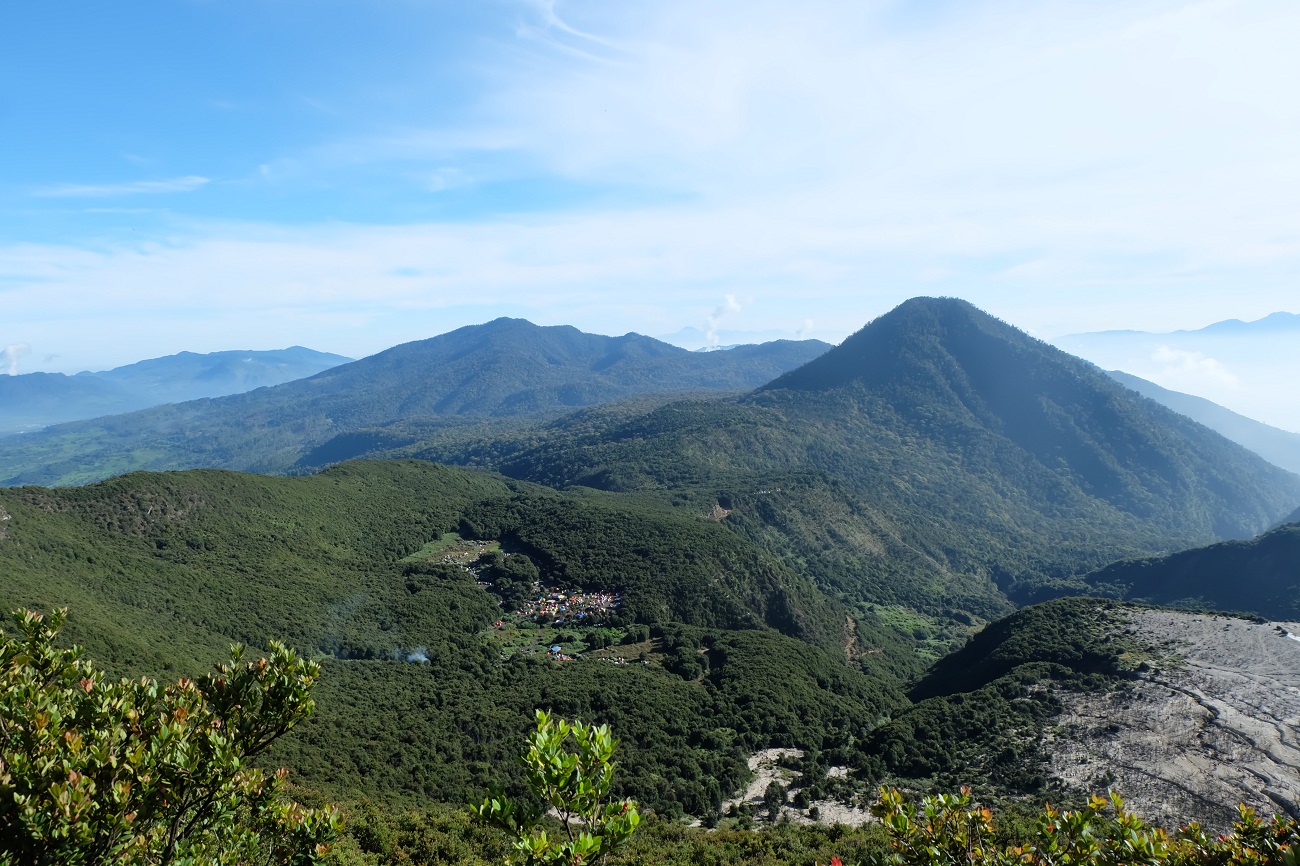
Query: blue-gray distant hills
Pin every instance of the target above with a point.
(1251, 367)
(34, 400)
(505, 369)
(1279, 447)
(937, 448)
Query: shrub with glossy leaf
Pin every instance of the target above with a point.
(569, 767)
(951, 829)
(130, 772)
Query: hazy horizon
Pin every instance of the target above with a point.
(351, 176)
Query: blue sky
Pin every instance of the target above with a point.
(352, 174)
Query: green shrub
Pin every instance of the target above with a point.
(572, 779)
(130, 772)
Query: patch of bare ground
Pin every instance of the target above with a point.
(765, 766)
(1210, 723)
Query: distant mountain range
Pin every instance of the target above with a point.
(945, 455)
(505, 369)
(1279, 447)
(1249, 367)
(938, 447)
(783, 536)
(34, 400)
(1274, 323)
(696, 339)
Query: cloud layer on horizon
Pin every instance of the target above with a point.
(630, 166)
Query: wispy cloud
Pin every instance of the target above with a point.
(729, 305)
(139, 187)
(1121, 163)
(11, 357)
(1194, 369)
(1077, 144)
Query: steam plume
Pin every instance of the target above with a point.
(729, 305)
(12, 355)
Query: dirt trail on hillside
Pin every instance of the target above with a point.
(1217, 722)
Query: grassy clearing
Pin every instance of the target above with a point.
(934, 638)
(450, 544)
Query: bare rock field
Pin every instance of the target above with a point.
(766, 769)
(1213, 721)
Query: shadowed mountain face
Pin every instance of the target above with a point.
(34, 400)
(1279, 447)
(1261, 575)
(958, 375)
(508, 368)
(969, 443)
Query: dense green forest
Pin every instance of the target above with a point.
(830, 564)
(1258, 575)
(716, 649)
(938, 456)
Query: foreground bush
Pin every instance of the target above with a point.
(952, 829)
(569, 768)
(129, 772)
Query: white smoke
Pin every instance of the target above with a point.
(729, 305)
(12, 355)
(420, 654)
(804, 332)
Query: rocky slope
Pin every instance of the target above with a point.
(1214, 722)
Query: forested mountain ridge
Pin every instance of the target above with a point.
(983, 451)
(1279, 447)
(1260, 575)
(1184, 713)
(32, 400)
(711, 575)
(508, 368)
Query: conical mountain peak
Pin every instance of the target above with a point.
(919, 336)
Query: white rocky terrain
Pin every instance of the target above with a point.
(766, 768)
(1214, 722)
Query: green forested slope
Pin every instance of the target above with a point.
(970, 455)
(421, 695)
(508, 368)
(1261, 575)
(1279, 447)
(980, 713)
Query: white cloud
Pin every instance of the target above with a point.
(1069, 166)
(140, 187)
(1193, 371)
(12, 355)
(1049, 147)
(729, 305)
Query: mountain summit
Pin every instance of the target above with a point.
(507, 368)
(920, 343)
(951, 435)
(510, 367)
(946, 369)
